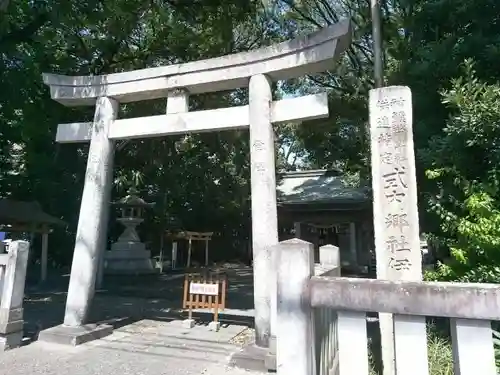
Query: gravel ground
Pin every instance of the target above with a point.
(138, 346)
(223, 369)
(143, 348)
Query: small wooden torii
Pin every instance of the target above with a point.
(190, 237)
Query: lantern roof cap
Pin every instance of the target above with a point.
(132, 200)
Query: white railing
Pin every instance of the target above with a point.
(325, 319)
(13, 267)
(326, 356)
(470, 307)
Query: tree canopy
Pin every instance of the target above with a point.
(445, 51)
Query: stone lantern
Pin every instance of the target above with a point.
(128, 254)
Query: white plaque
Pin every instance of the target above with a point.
(205, 289)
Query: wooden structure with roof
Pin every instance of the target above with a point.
(21, 216)
(190, 237)
(324, 207)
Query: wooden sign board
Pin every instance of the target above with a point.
(205, 291)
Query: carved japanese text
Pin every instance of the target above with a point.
(394, 184)
(396, 226)
(397, 221)
(399, 251)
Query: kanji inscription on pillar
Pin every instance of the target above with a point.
(397, 237)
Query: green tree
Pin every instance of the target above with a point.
(205, 183)
(468, 205)
(425, 43)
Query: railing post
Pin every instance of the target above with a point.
(11, 305)
(325, 320)
(473, 351)
(295, 326)
(352, 343)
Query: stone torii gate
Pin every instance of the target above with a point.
(256, 69)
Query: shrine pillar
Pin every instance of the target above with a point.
(264, 210)
(91, 231)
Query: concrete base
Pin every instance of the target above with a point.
(73, 336)
(251, 358)
(214, 326)
(188, 323)
(11, 340)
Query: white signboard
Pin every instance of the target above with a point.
(205, 289)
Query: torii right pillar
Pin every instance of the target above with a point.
(264, 210)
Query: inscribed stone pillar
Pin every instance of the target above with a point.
(395, 211)
(264, 211)
(92, 223)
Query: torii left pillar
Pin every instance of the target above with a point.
(91, 234)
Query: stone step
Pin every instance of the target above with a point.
(171, 338)
(178, 341)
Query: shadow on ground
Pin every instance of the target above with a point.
(126, 299)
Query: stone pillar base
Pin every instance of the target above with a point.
(11, 340)
(251, 358)
(73, 336)
(11, 328)
(270, 358)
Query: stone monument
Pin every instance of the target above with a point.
(395, 215)
(128, 254)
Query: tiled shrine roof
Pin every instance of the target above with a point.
(320, 186)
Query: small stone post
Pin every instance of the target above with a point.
(329, 257)
(395, 217)
(45, 255)
(11, 305)
(100, 270)
(174, 255)
(92, 224)
(297, 226)
(353, 249)
(264, 211)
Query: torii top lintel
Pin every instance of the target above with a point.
(309, 54)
